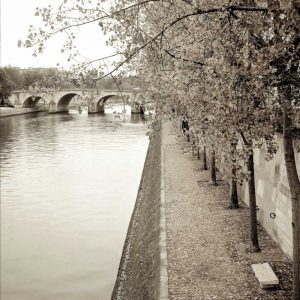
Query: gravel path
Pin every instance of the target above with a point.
(207, 242)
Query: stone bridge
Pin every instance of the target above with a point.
(59, 100)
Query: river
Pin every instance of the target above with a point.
(68, 188)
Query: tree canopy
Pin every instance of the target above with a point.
(6, 86)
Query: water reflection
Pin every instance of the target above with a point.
(68, 186)
(137, 118)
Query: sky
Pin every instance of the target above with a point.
(17, 15)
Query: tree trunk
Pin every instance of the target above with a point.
(234, 202)
(213, 173)
(198, 153)
(254, 246)
(204, 159)
(294, 185)
(233, 191)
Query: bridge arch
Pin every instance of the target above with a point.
(98, 105)
(31, 101)
(64, 101)
(136, 107)
(102, 100)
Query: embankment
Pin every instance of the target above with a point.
(139, 275)
(10, 111)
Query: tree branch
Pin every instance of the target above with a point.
(197, 12)
(98, 59)
(183, 59)
(245, 8)
(103, 17)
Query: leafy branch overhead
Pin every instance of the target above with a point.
(66, 18)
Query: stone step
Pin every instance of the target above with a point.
(265, 275)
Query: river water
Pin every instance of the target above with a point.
(68, 188)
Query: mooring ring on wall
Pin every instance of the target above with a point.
(272, 216)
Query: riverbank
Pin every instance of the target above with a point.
(11, 111)
(207, 243)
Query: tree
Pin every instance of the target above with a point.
(15, 75)
(6, 86)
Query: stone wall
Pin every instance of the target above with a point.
(139, 271)
(11, 111)
(272, 195)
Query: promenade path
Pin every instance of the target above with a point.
(207, 242)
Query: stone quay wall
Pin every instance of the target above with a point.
(272, 194)
(139, 275)
(9, 111)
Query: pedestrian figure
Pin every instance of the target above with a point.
(185, 127)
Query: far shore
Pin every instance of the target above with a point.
(12, 111)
